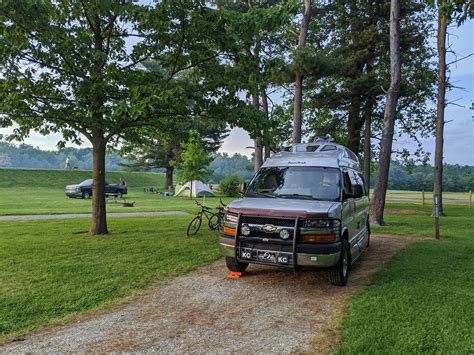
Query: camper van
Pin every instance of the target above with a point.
(306, 207)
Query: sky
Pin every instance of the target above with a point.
(459, 131)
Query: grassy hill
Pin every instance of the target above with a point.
(41, 191)
(12, 178)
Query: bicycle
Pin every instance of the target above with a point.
(220, 214)
(195, 225)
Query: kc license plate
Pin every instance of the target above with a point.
(272, 257)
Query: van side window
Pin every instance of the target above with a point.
(347, 181)
(354, 178)
(364, 184)
(328, 147)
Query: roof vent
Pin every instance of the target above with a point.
(323, 139)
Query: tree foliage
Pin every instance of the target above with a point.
(193, 161)
(230, 185)
(76, 68)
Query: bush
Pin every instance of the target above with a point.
(230, 185)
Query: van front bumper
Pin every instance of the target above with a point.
(308, 255)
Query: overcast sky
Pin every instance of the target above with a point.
(459, 132)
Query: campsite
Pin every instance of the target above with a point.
(236, 176)
(70, 277)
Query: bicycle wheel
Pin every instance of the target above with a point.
(214, 221)
(194, 226)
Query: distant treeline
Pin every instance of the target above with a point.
(456, 177)
(224, 165)
(27, 156)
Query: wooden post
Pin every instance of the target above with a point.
(470, 198)
(437, 213)
(423, 197)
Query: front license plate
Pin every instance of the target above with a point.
(270, 257)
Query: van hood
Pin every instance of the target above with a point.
(283, 207)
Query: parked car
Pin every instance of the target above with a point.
(84, 189)
(306, 207)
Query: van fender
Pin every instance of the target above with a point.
(345, 231)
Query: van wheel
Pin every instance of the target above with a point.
(339, 273)
(234, 265)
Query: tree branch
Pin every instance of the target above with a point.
(180, 48)
(458, 60)
(86, 14)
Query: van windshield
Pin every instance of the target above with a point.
(296, 182)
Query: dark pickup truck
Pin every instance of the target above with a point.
(84, 189)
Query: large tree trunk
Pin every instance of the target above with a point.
(266, 150)
(98, 140)
(298, 98)
(169, 177)
(354, 124)
(99, 213)
(258, 139)
(438, 169)
(378, 201)
(367, 146)
(257, 143)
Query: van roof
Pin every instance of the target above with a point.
(314, 154)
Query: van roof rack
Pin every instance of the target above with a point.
(323, 139)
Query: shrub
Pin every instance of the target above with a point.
(230, 185)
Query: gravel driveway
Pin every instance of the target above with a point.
(268, 310)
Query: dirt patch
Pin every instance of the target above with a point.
(404, 211)
(269, 310)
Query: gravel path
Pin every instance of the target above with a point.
(267, 311)
(89, 215)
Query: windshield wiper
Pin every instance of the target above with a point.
(298, 196)
(259, 194)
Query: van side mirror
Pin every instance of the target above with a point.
(242, 188)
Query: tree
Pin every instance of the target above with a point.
(441, 102)
(158, 148)
(351, 98)
(447, 9)
(378, 202)
(193, 160)
(298, 97)
(75, 68)
(230, 185)
(257, 26)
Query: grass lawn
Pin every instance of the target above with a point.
(50, 271)
(422, 301)
(34, 191)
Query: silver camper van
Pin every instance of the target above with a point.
(306, 207)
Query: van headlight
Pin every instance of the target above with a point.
(320, 230)
(230, 218)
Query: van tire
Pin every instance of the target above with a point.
(234, 265)
(339, 273)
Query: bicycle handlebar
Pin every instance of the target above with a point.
(202, 206)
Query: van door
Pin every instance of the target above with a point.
(360, 204)
(349, 207)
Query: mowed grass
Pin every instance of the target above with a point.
(35, 191)
(423, 300)
(50, 271)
